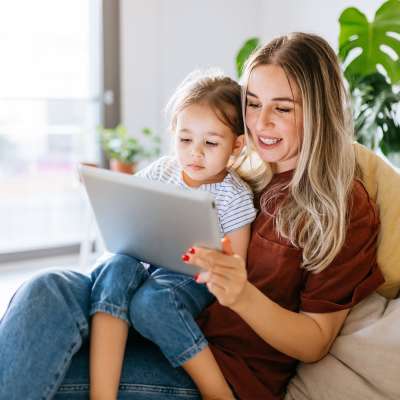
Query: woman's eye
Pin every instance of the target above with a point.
(252, 105)
(283, 109)
(211, 143)
(183, 140)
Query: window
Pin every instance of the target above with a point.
(50, 91)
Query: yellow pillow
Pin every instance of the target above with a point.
(383, 185)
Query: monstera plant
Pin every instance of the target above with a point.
(370, 53)
(244, 52)
(370, 56)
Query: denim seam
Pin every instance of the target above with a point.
(117, 311)
(60, 371)
(138, 388)
(82, 323)
(112, 309)
(184, 282)
(177, 285)
(186, 355)
(136, 281)
(159, 389)
(121, 311)
(177, 305)
(199, 342)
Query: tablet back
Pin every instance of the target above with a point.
(152, 221)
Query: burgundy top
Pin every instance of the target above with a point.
(253, 368)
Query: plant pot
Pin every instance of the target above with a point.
(119, 166)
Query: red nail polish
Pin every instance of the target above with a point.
(195, 277)
(185, 257)
(192, 250)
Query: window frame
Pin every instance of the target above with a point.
(109, 59)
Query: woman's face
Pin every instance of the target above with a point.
(274, 116)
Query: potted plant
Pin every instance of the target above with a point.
(248, 47)
(373, 74)
(124, 151)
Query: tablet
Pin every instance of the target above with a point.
(152, 221)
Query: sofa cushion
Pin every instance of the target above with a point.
(382, 182)
(364, 361)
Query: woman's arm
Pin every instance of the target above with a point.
(304, 336)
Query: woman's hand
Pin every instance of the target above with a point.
(224, 272)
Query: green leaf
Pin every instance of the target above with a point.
(391, 137)
(118, 144)
(356, 32)
(374, 109)
(244, 52)
(147, 131)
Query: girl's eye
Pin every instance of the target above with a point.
(211, 143)
(183, 140)
(283, 110)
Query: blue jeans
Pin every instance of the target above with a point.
(160, 304)
(44, 352)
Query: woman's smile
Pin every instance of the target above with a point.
(268, 142)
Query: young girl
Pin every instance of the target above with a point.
(208, 129)
(311, 256)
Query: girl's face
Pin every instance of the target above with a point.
(203, 145)
(274, 116)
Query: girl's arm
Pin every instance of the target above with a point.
(240, 240)
(304, 336)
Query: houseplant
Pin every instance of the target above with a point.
(373, 74)
(244, 52)
(124, 151)
(370, 53)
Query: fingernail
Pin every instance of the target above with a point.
(195, 277)
(185, 257)
(192, 250)
(198, 278)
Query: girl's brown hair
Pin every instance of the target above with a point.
(214, 89)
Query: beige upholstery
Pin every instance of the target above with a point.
(382, 182)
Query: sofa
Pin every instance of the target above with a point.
(364, 361)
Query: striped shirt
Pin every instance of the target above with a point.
(233, 197)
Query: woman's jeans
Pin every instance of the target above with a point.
(44, 351)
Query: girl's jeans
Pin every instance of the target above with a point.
(161, 305)
(44, 333)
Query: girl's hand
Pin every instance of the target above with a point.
(224, 272)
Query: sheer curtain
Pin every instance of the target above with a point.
(50, 108)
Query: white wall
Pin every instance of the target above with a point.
(163, 40)
(312, 16)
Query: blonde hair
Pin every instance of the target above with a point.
(313, 216)
(216, 90)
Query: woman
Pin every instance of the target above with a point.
(312, 255)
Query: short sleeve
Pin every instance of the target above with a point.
(239, 212)
(153, 171)
(354, 273)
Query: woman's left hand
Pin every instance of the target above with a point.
(224, 272)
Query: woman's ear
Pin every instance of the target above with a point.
(238, 145)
